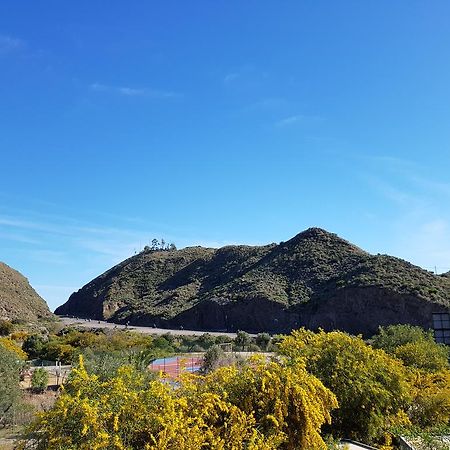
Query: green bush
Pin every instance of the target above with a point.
(263, 340)
(10, 396)
(242, 340)
(414, 346)
(6, 327)
(211, 358)
(34, 346)
(39, 380)
(371, 386)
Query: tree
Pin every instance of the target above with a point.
(155, 244)
(393, 336)
(172, 247)
(371, 387)
(289, 405)
(242, 339)
(414, 346)
(10, 397)
(263, 340)
(430, 406)
(429, 356)
(39, 380)
(206, 340)
(211, 358)
(34, 345)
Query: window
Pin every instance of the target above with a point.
(441, 325)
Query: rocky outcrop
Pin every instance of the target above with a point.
(18, 300)
(316, 279)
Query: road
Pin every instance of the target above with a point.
(91, 324)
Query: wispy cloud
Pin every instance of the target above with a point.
(18, 238)
(230, 77)
(134, 92)
(268, 104)
(18, 223)
(247, 76)
(49, 257)
(9, 44)
(392, 192)
(298, 119)
(419, 223)
(112, 244)
(66, 252)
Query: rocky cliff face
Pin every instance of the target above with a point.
(18, 300)
(316, 279)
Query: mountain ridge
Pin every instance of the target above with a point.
(315, 279)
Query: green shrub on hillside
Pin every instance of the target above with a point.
(6, 327)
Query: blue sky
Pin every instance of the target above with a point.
(212, 123)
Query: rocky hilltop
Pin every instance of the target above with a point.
(315, 279)
(18, 300)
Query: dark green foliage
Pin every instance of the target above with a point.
(216, 357)
(108, 348)
(106, 364)
(393, 336)
(66, 345)
(206, 340)
(163, 344)
(39, 380)
(6, 327)
(160, 246)
(263, 341)
(34, 345)
(242, 340)
(10, 397)
(211, 358)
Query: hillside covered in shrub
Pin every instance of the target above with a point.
(18, 300)
(315, 279)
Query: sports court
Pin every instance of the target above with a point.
(173, 366)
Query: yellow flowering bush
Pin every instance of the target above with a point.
(371, 387)
(12, 346)
(264, 406)
(288, 404)
(431, 398)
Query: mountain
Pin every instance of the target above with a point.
(18, 300)
(316, 279)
